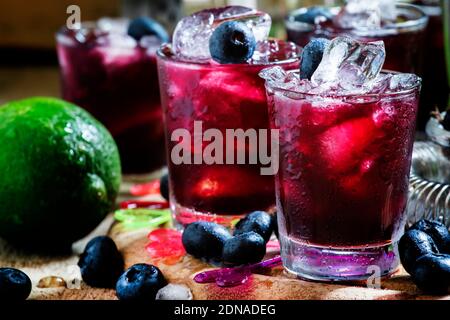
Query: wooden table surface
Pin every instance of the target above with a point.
(274, 285)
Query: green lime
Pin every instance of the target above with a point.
(60, 173)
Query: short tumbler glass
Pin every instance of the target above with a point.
(342, 186)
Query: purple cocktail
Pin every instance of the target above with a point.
(403, 31)
(197, 91)
(345, 155)
(114, 77)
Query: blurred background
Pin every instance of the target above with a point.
(28, 62)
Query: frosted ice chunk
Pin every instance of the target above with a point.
(192, 33)
(349, 65)
(174, 292)
(277, 77)
(366, 14)
(403, 81)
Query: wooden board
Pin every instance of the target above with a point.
(276, 285)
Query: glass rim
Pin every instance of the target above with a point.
(413, 88)
(419, 23)
(168, 46)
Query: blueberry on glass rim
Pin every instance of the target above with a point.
(144, 26)
(312, 13)
(232, 42)
(312, 55)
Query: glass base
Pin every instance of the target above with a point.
(183, 216)
(338, 264)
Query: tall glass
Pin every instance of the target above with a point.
(342, 185)
(115, 78)
(221, 97)
(403, 40)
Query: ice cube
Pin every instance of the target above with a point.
(174, 292)
(192, 33)
(366, 14)
(277, 77)
(403, 81)
(349, 65)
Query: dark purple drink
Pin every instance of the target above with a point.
(345, 156)
(197, 90)
(115, 78)
(403, 38)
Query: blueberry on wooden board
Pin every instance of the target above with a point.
(244, 248)
(141, 282)
(205, 239)
(15, 285)
(101, 263)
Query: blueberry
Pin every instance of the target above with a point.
(310, 15)
(432, 273)
(257, 221)
(413, 245)
(14, 285)
(244, 248)
(101, 263)
(205, 239)
(144, 26)
(141, 282)
(312, 56)
(232, 42)
(437, 231)
(164, 186)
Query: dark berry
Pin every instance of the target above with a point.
(312, 56)
(101, 263)
(145, 26)
(446, 121)
(274, 218)
(205, 239)
(164, 186)
(14, 285)
(140, 282)
(437, 231)
(413, 245)
(244, 248)
(257, 221)
(311, 13)
(432, 273)
(232, 42)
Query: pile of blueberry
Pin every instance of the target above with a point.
(214, 243)
(425, 254)
(102, 265)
